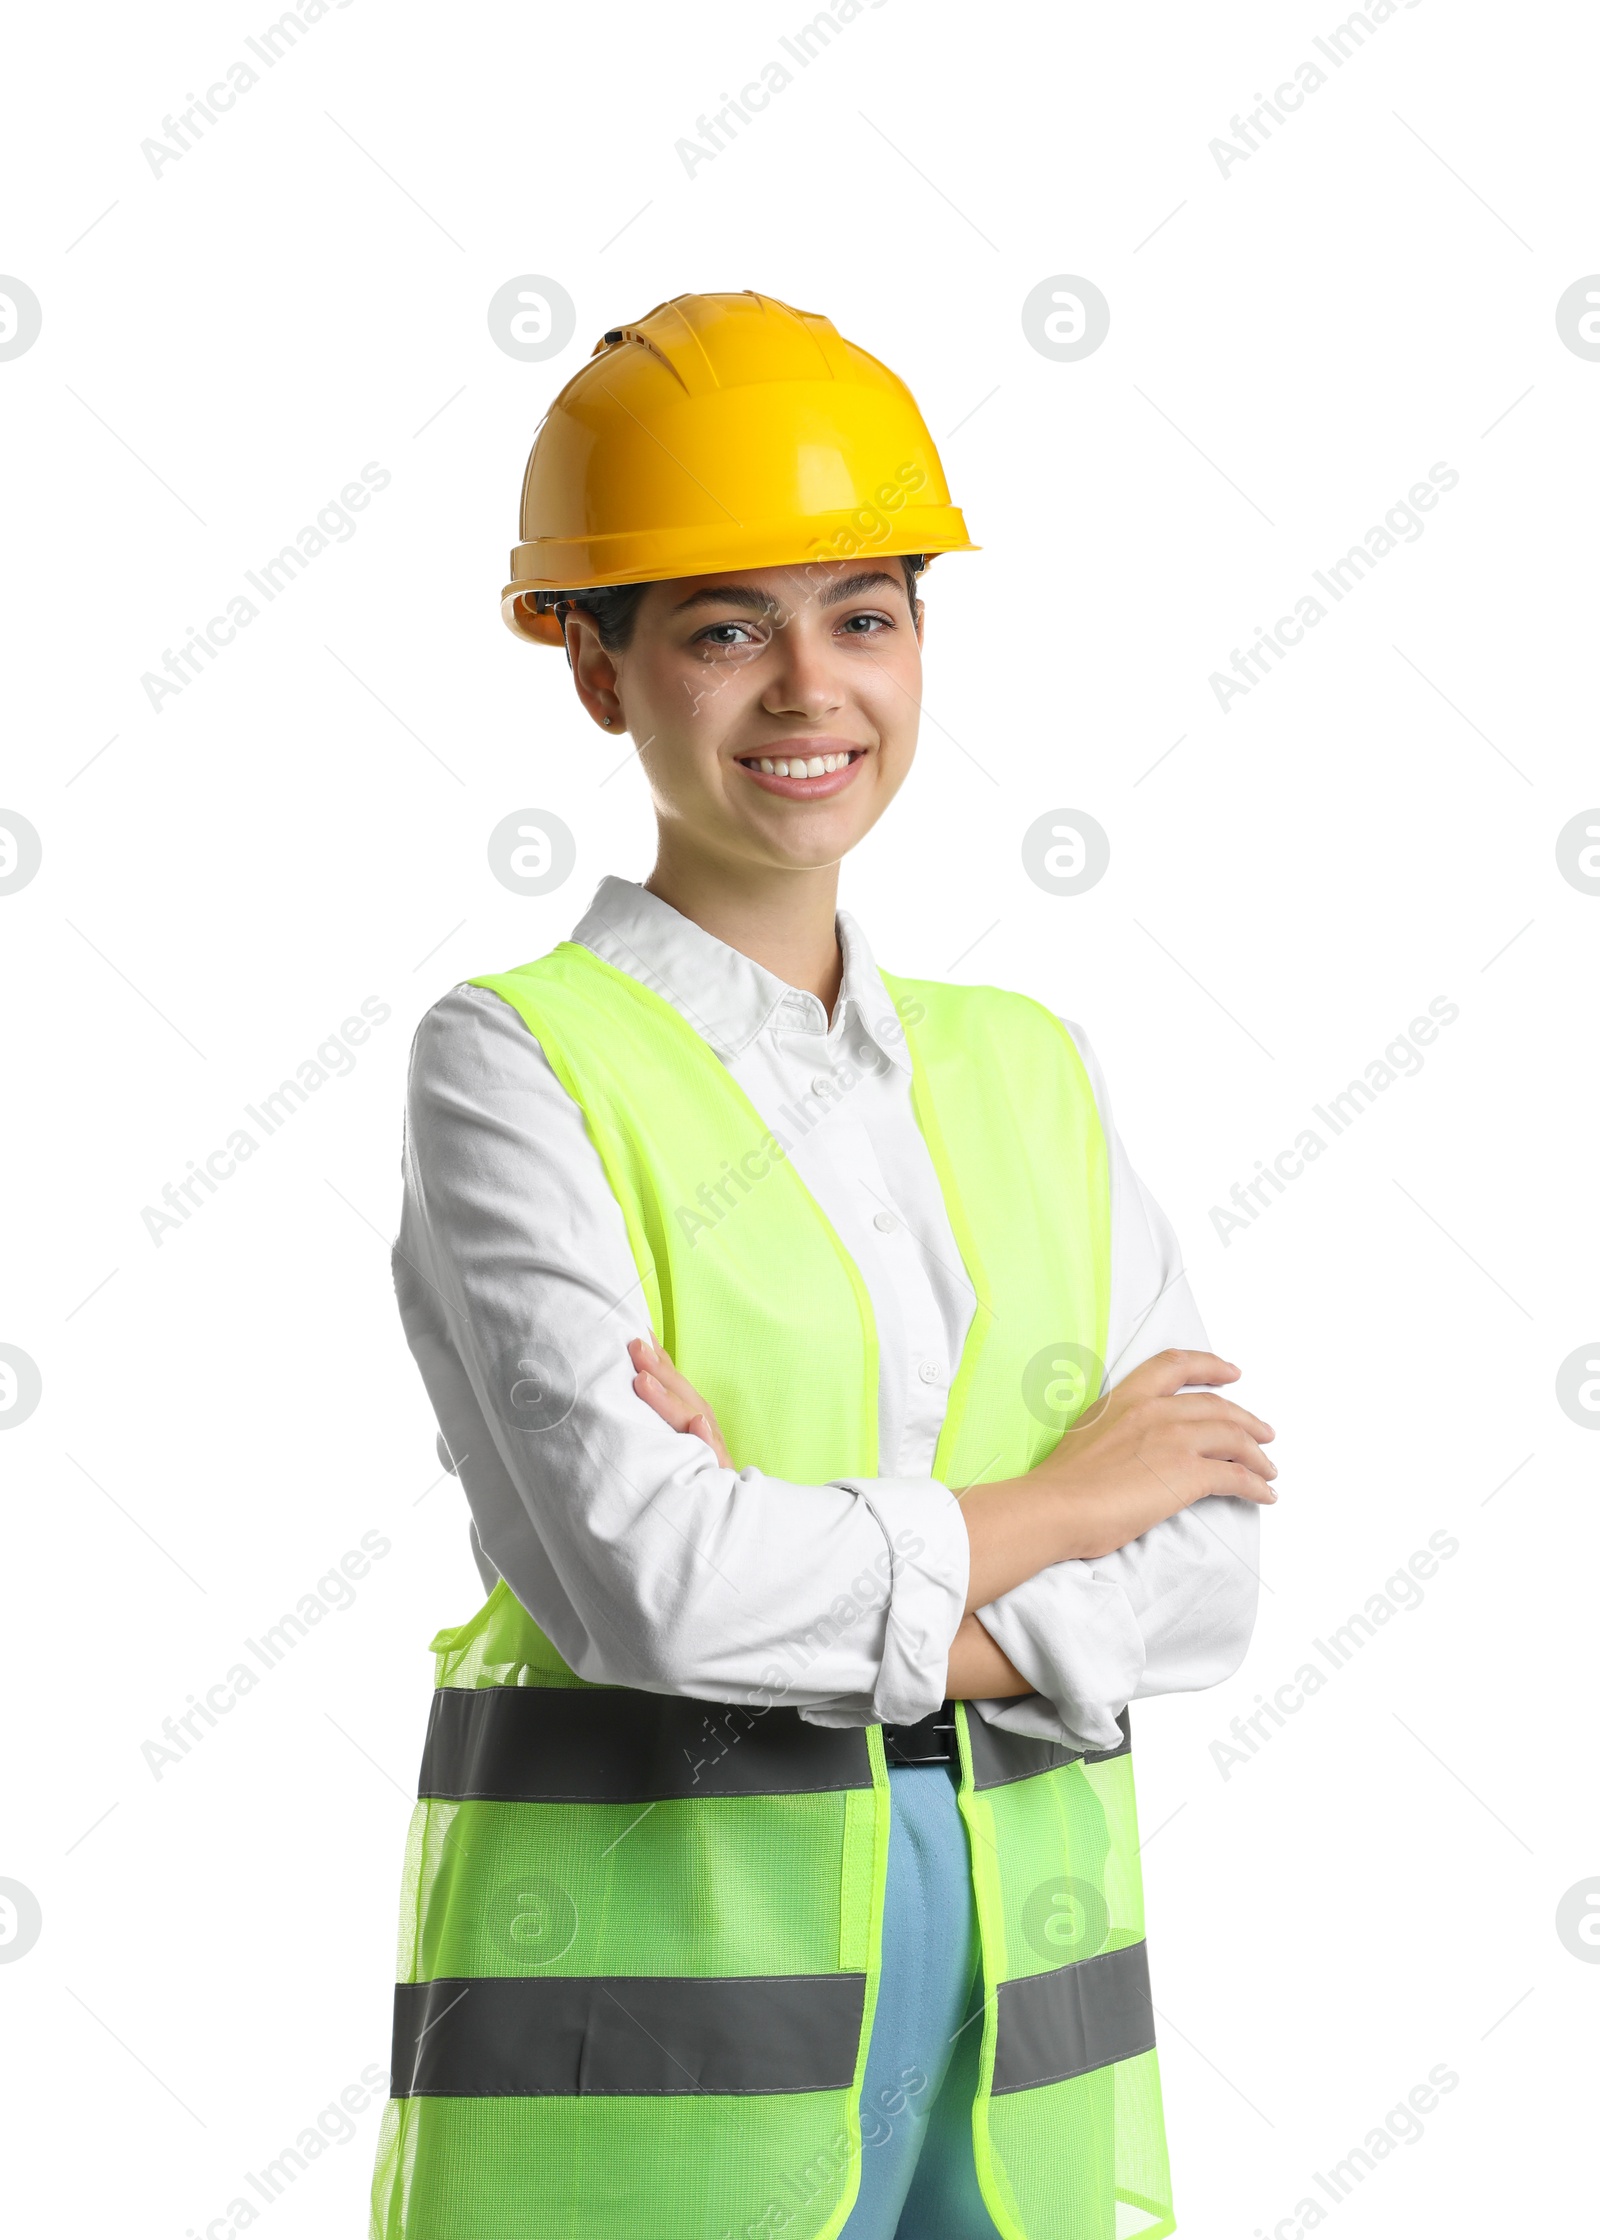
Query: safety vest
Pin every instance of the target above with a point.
(640, 1933)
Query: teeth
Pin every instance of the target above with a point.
(806, 766)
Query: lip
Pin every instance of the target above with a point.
(807, 789)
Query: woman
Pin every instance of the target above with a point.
(820, 1380)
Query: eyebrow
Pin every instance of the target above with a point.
(761, 602)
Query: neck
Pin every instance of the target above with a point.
(782, 919)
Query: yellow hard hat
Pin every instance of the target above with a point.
(718, 432)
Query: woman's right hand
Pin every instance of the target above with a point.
(1141, 1453)
(1148, 1449)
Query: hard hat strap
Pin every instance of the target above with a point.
(560, 604)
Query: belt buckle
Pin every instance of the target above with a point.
(925, 1730)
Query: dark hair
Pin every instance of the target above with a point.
(615, 606)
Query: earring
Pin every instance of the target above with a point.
(606, 720)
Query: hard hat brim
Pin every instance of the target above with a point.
(929, 530)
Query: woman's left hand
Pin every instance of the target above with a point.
(673, 1397)
(978, 1666)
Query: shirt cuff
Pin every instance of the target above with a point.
(1063, 1628)
(930, 1557)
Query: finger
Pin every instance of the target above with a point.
(659, 1364)
(1245, 1484)
(1195, 1478)
(1206, 1407)
(1164, 1373)
(666, 1404)
(704, 1427)
(655, 1361)
(1232, 1444)
(1215, 1439)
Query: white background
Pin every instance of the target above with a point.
(1292, 346)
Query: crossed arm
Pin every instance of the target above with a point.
(1145, 1450)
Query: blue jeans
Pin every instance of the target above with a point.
(917, 2177)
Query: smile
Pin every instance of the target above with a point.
(803, 777)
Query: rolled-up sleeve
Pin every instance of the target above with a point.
(647, 1563)
(1175, 1608)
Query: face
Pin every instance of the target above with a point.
(775, 709)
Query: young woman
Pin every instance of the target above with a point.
(840, 1436)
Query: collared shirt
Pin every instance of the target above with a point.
(647, 1563)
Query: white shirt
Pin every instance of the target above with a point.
(644, 1561)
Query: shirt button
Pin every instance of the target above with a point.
(928, 1373)
(885, 1222)
(822, 1084)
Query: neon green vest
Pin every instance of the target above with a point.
(640, 1934)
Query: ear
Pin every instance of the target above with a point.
(594, 673)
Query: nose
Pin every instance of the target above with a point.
(805, 681)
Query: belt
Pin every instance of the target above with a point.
(923, 1742)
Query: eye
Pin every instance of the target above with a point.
(714, 636)
(883, 621)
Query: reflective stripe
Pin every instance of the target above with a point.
(1073, 2019)
(999, 1756)
(476, 2036)
(626, 1746)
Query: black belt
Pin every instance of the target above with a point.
(923, 1742)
